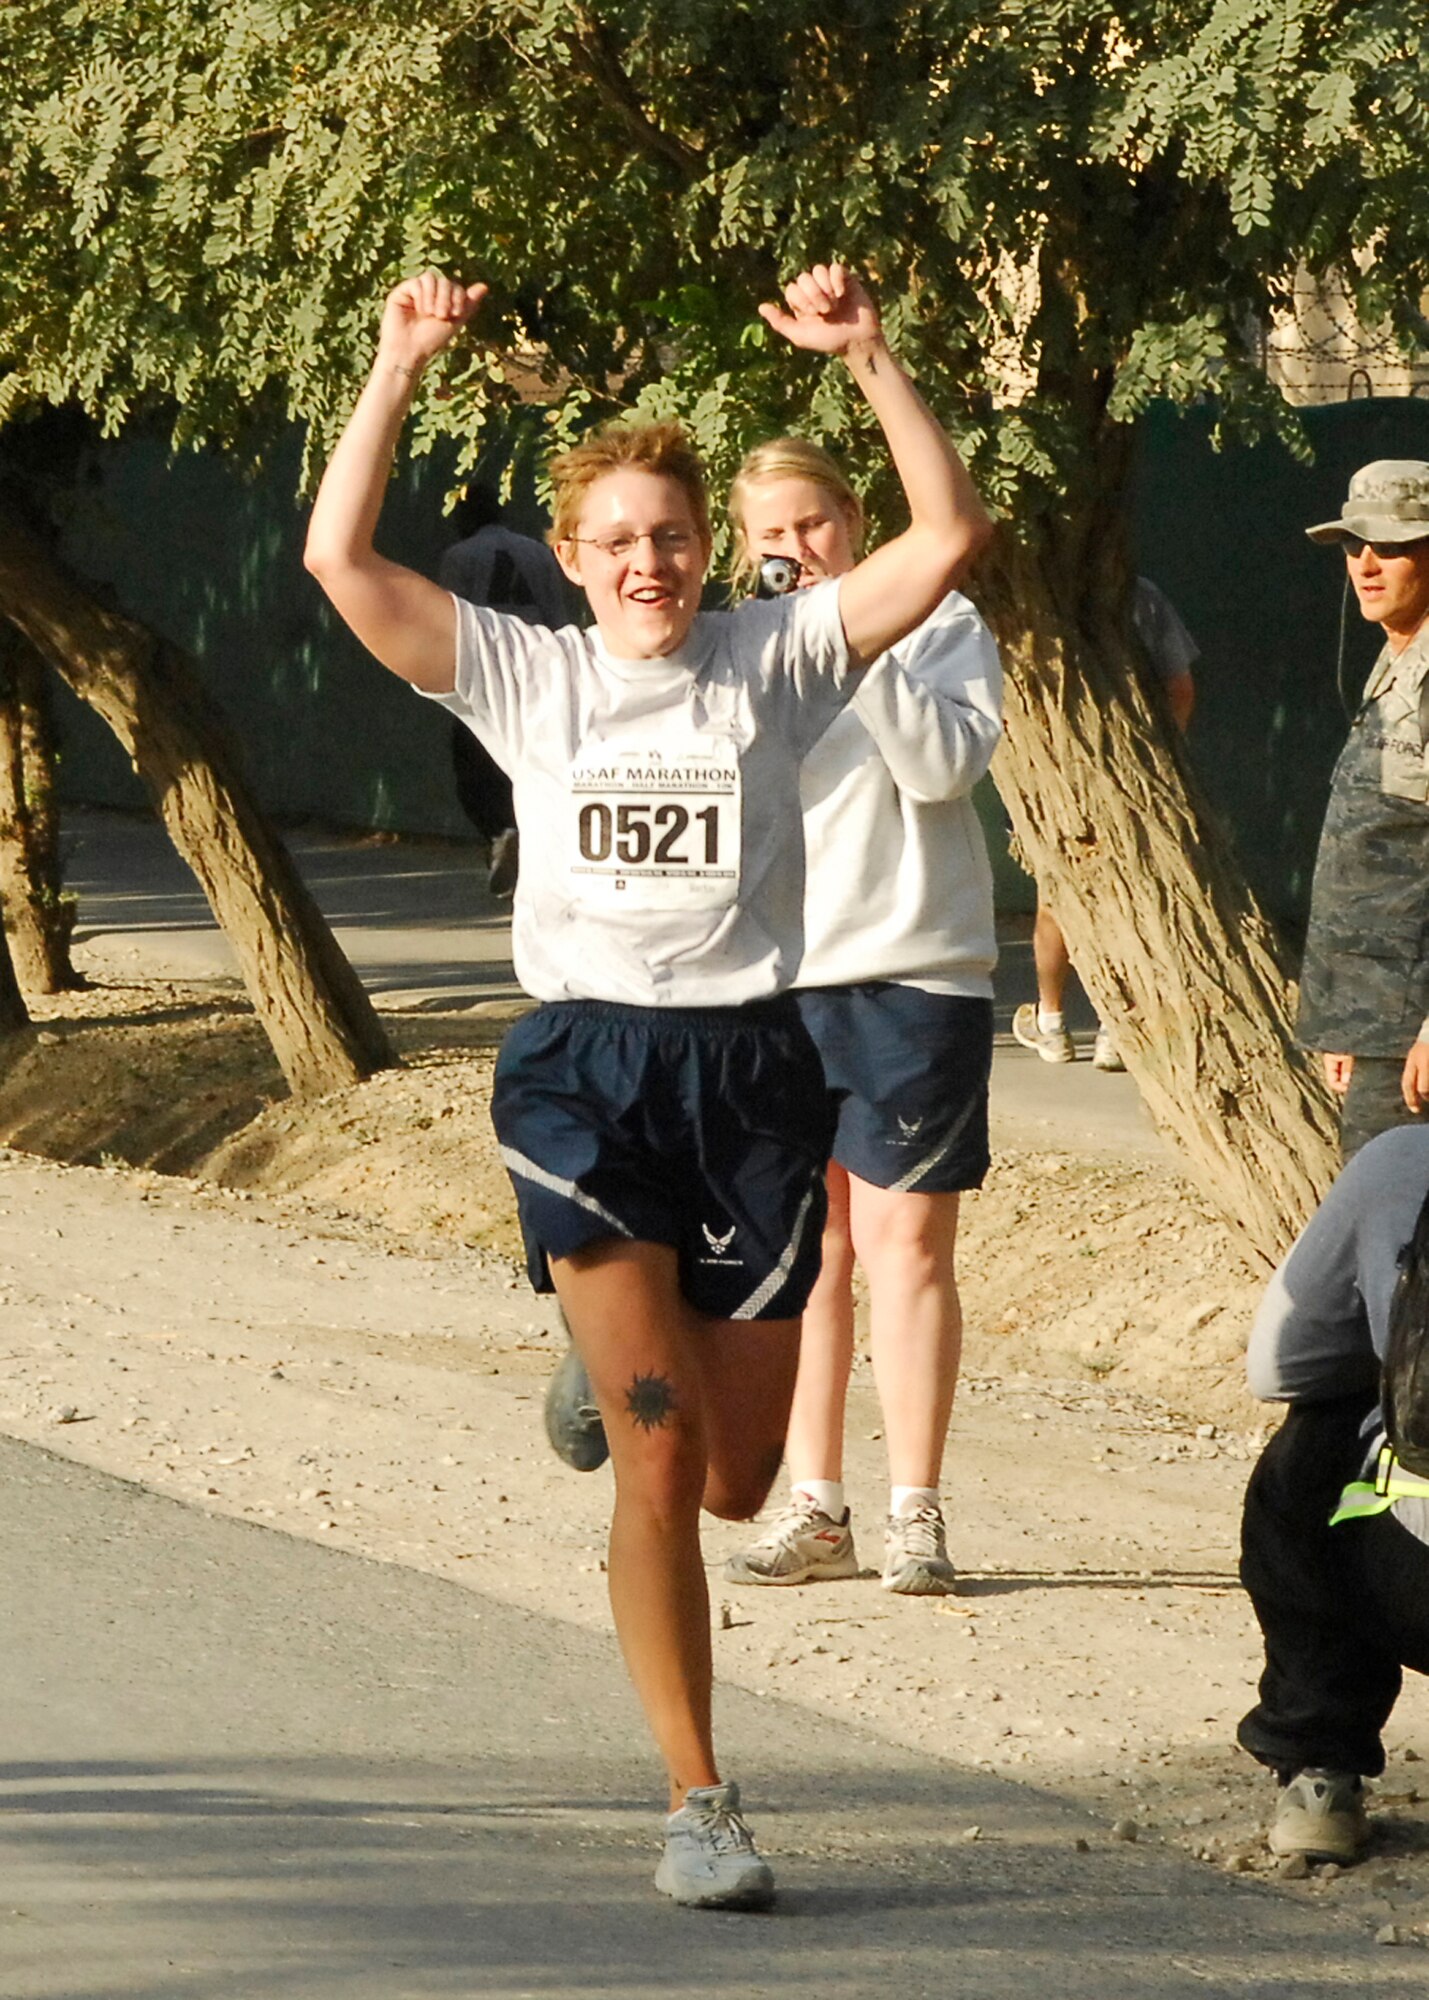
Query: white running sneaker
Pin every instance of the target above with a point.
(710, 1860)
(1104, 1052)
(915, 1555)
(1054, 1045)
(802, 1544)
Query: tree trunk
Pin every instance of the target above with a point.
(1161, 926)
(14, 1014)
(39, 915)
(314, 1009)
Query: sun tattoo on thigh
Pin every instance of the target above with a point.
(651, 1402)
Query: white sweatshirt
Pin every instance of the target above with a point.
(898, 884)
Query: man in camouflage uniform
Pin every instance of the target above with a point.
(1364, 988)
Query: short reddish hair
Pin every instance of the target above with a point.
(661, 448)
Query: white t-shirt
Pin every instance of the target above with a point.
(658, 800)
(898, 884)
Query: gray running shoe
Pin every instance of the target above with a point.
(1104, 1053)
(915, 1555)
(802, 1544)
(1321, 1815)
(1054, 1045)
(710, 1860)
(573, 1423)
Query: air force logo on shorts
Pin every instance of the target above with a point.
(718, 1245)
(702, 1129)
(910, 1070)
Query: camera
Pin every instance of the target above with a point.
(778, 575)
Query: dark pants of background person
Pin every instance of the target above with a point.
(483, 789)
(1373, 1103)
(1342, 1609)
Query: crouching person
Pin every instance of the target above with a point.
(1335, 1537)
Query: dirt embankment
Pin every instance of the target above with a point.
(1086, 1267)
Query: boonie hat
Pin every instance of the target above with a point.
(1388, 502)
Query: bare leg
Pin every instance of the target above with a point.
(1050, 957)
(906, 1242)
(816, 1421)
(748, 1369)
(680, 1396)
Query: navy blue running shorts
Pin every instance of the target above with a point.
(704, 1128)
(910, 1072)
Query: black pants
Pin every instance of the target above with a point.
(483, 789)
(1373, 1103)
(1342, 1610)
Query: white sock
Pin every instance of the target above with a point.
(826, 1494)
(1050, 1024)
(903, 1499)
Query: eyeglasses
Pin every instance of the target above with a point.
(664, 541)
(1355, 545)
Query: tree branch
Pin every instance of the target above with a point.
(606, 71)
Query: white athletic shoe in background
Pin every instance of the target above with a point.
(802, 1544)
(1104, 1052)
(915, 1555)
(1054, 1045)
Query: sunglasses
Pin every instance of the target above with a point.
(1355, 546)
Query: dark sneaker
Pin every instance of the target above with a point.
(710, 1860)
(1321, 1815)
(573, 1423)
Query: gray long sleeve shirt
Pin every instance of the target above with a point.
(1323, 1323)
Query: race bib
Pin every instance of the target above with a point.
(656, 826)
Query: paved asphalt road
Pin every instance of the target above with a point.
(234, 1764)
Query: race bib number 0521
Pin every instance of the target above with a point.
(656, 829)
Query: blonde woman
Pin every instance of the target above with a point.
(665, 1091)
(896, 988)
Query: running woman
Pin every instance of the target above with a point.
(662, 1113)
(896, 989)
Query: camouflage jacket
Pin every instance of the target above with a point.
(1364, 986)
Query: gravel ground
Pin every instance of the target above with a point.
(310, 1317)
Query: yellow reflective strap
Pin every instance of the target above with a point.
(1363, 1497)
(1358, 1501)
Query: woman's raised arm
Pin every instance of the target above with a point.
(406, 620)
(896, 587)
